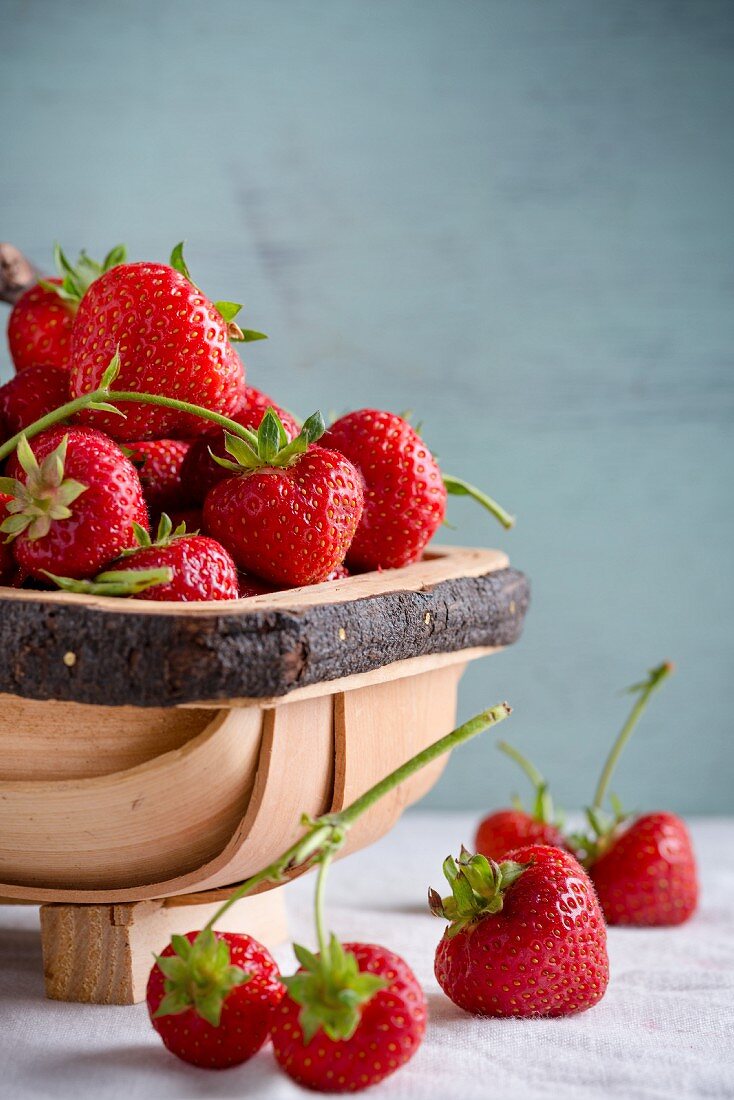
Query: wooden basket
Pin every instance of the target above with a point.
(153, 754)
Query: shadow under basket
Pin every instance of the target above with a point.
(152, 755)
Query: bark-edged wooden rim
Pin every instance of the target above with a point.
(113, 652)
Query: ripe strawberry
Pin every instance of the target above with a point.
(201, 471)
(40, 322)
(505, 829)
(159, 463)
(172, 341)
(291, 514)
(526, 937)
(647, 875)
(75, 511)
(405, 497)
(30, 395)
(210, 997)
(350, 1023)
(201, 569)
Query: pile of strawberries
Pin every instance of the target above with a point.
(242, 498)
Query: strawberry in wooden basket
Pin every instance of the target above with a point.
(505, 829)
(160, 463)
(30, 395)
(176, 566)
(210, 996)
(200, 469)
(405, 491)
(7, 561)
(75, 500)
(40, 322)
(173, 342)
(290, 514)
(526, 937)
(644, 869)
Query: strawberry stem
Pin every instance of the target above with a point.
(643, 690)
(325, 835)
(456, 486)
(530, 770)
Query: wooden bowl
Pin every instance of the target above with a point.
(153, 754)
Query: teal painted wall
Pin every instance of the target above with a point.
(514, 218)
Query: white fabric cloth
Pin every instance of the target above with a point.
(664, 1029)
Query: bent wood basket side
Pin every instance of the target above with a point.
(223, 801)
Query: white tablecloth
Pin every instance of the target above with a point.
(664, 1029)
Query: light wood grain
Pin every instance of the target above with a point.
(102, 954)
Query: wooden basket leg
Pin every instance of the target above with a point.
(102, 954)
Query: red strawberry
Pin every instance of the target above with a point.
(40, 322)
(200, 471)
(251, 586)
(526, 938)
(647, 876)
(172, 341)
(159, 463)
(30, 395)
(192, 518)
(333, 1043)
(503, 830)
(500, 832)
(405, 491)
(75, 511)
(210, 997)
(201, 569)
(405, 497)
(39, 329)
(291, 514)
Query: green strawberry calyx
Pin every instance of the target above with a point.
(44, 496)
(477, 886)
(542, 808)
(331, 989)
(227, 310)
(269, 446)
(77, 278)
(198, 975)
(114, 582)
(164, 536)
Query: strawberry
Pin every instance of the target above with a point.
(159, 463)
(30, 395)
(348, 1021)
(644, 870)
(526, 937)
(405, 497)
(511, 828)
(201, 471)
(291, 513)
(405, 491)
(172, 341)
(40, 322)
(210, 997)
(201, 569)
(75, 511)
(647, 875)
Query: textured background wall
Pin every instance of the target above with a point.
(514, 218)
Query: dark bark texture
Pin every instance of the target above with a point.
(160, 660)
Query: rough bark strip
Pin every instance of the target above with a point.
(164, 660)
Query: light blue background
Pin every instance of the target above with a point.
(514, 218)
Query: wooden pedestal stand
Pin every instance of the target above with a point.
(153, 754)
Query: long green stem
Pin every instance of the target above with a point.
(645, 690)
(324, 864)
(64, 412)
(460, 488)
(326, 834)
(530, 770)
